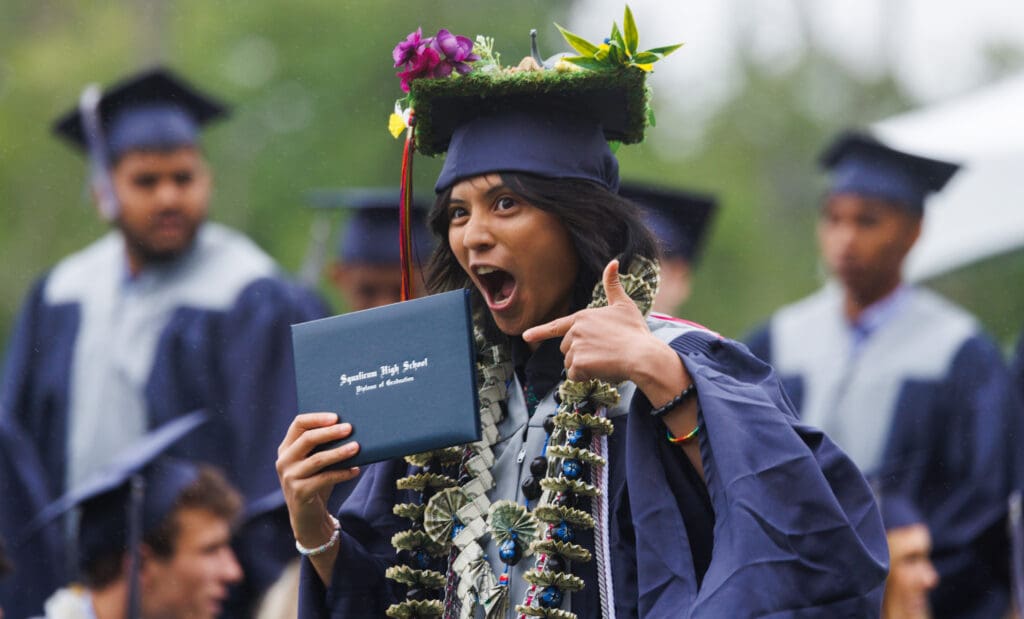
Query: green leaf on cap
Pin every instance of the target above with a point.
(629, 31)
(578, 43)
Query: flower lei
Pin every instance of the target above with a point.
(453, 515)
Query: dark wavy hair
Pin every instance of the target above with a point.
(601, 224)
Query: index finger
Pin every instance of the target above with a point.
(304, 422)
(556, 328)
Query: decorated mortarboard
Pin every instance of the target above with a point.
(553, 118)
(155, 109)
(130, 497)
(372, 231)
(860, 164)
(679, 219)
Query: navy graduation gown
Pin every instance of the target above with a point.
(795, 528)
(1017, 367)
(96, 358)
(926, 407)
(23, 489)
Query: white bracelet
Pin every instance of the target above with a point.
(322, 548)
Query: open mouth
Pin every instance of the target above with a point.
(497, 285)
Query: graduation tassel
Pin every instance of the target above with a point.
(405, 210)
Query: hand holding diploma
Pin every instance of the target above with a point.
(307, 484)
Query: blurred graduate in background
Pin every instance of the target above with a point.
(366, 269)
(912, 575)
(153, 535)
(681, 221)
(165, 314)
(903, 380)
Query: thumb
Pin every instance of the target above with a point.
(612, 286)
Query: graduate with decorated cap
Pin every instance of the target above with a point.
(152, 535)
(631, 465)
(904, 381)
(681, 221)
(367, 264)
(166, 313)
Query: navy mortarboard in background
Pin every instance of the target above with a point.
(861, 164)
(153, 110)
(371, 232)
(370, 235)
(131, 497)
(898, 511)
(679, 219)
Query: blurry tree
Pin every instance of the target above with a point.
(312, 85)
(759, 154)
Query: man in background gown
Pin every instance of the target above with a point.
(903, 380)
(165, 314)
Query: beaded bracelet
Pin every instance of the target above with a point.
(675, 440)
(676, 401)
(322, 548)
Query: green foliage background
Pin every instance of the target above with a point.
(312, 85)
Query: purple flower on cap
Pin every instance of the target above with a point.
(458, 52)
(406, 51)
(423, 64)
(435, 56)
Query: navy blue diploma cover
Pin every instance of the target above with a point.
(404, 375)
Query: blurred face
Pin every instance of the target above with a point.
(520, 257)
(370, 285)
(864, 241)
(163, 198)
(194, 581)
(674, 287)
(911, 573)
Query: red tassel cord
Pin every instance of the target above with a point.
(405, 212)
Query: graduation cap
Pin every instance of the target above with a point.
(898, 511)
(129, 498)
(152, 110)
(551, 118)
(679, 219)
(860, 164)
(371, 231)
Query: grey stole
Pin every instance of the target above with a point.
(853, 398)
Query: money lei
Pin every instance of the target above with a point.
(454, 516)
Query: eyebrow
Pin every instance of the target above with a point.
(489, 193)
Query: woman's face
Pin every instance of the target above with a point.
(520, 257)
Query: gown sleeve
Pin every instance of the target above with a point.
(972, 466)
(759, 341)
(358, 586)
(23, 488)
(33, 412)
(796, 528)
(1017, 368)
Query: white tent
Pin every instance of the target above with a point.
(981, 212)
